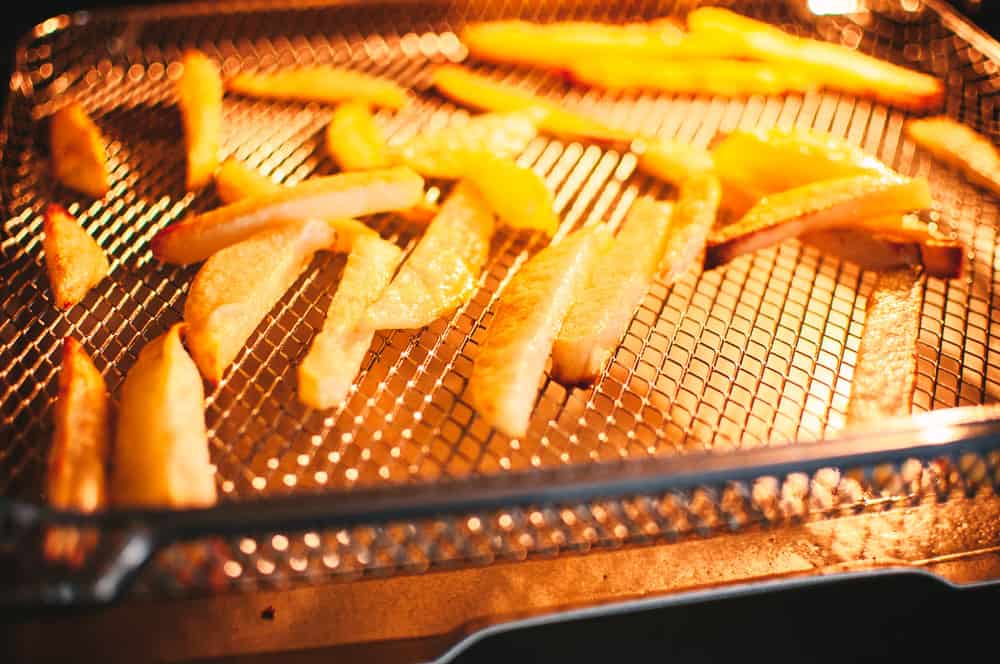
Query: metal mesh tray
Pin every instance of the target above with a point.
(725, 378)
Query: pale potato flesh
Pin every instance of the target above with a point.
(336, 353)
(331, 197)
(603, 308)
(78, 158)
(959, 146)
(443, 270)
(199, 93)
(354, 139)
(321, 83)
(74, 261)
(161, 454)
(510, 363)
(236, 288)
(693, 219)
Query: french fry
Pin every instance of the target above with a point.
(74, 261)
(337, 351)
(443, 270)
(603, 308)
(161, 447)
(724, 78)
(332, 197)
(236, 288)
(886, 369)
(78, 159)
(445, 152)
(838, 203)
(518, 195)
(76, 477)
(354, 140)
(481, 92)
(509, 366)
(693, 218)
(832, 65)
(959, 146)
(321, 83)
(671, 161)
(199, 92)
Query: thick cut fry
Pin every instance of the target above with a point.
(234, 182)
(479, 91)
(443, 271)
(671, 161)
(199, 93)
(323, 84)
(445, 152)
(724, 78)
(236, 287)
(603, 308)
(832, 65)
(886, 369)
(336, 353)
(333, 197)
(77, 469)
(74, 261)
(78, 159)
(355, 140)
(694, 216)
(510, 364)
(871, 252)
(516, 194)
(161, 448)
(838, 203)
(959, 146)
(561, 44)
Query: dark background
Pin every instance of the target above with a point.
(902, 618)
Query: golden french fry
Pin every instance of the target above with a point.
(481, 92)
(838, 203)
(236, 288)
(886, 369)
(161, 448)
(604, 307)
(671, 161)
(446, 152)
(832, 65)
(321, 83)
(74, 261)
(694, 216)
(443, 270)
(78, 159)
(959, 146)
(354, 140)
(234, 182)
(199, 92)
(337, 351)
(517, 195)
(332, 197)
(724, 78)
(510, 364)
(76, 477)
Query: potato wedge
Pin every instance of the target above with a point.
(510, 364)
(603, 308)
(333, 197)
(837, 203)
(959, 146)
(74, 261)
(199, 94)
(871, 252)
(236, 288)
(832, 65)
(723, 78)
(354, 140)
(518, 195)
(337, 351)
(886, 369)
(443, 270)
(445, 152)
(321, 83)
(161, 447)
(671, 161)
(693, 219)
(77, 148)
(481, 92)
